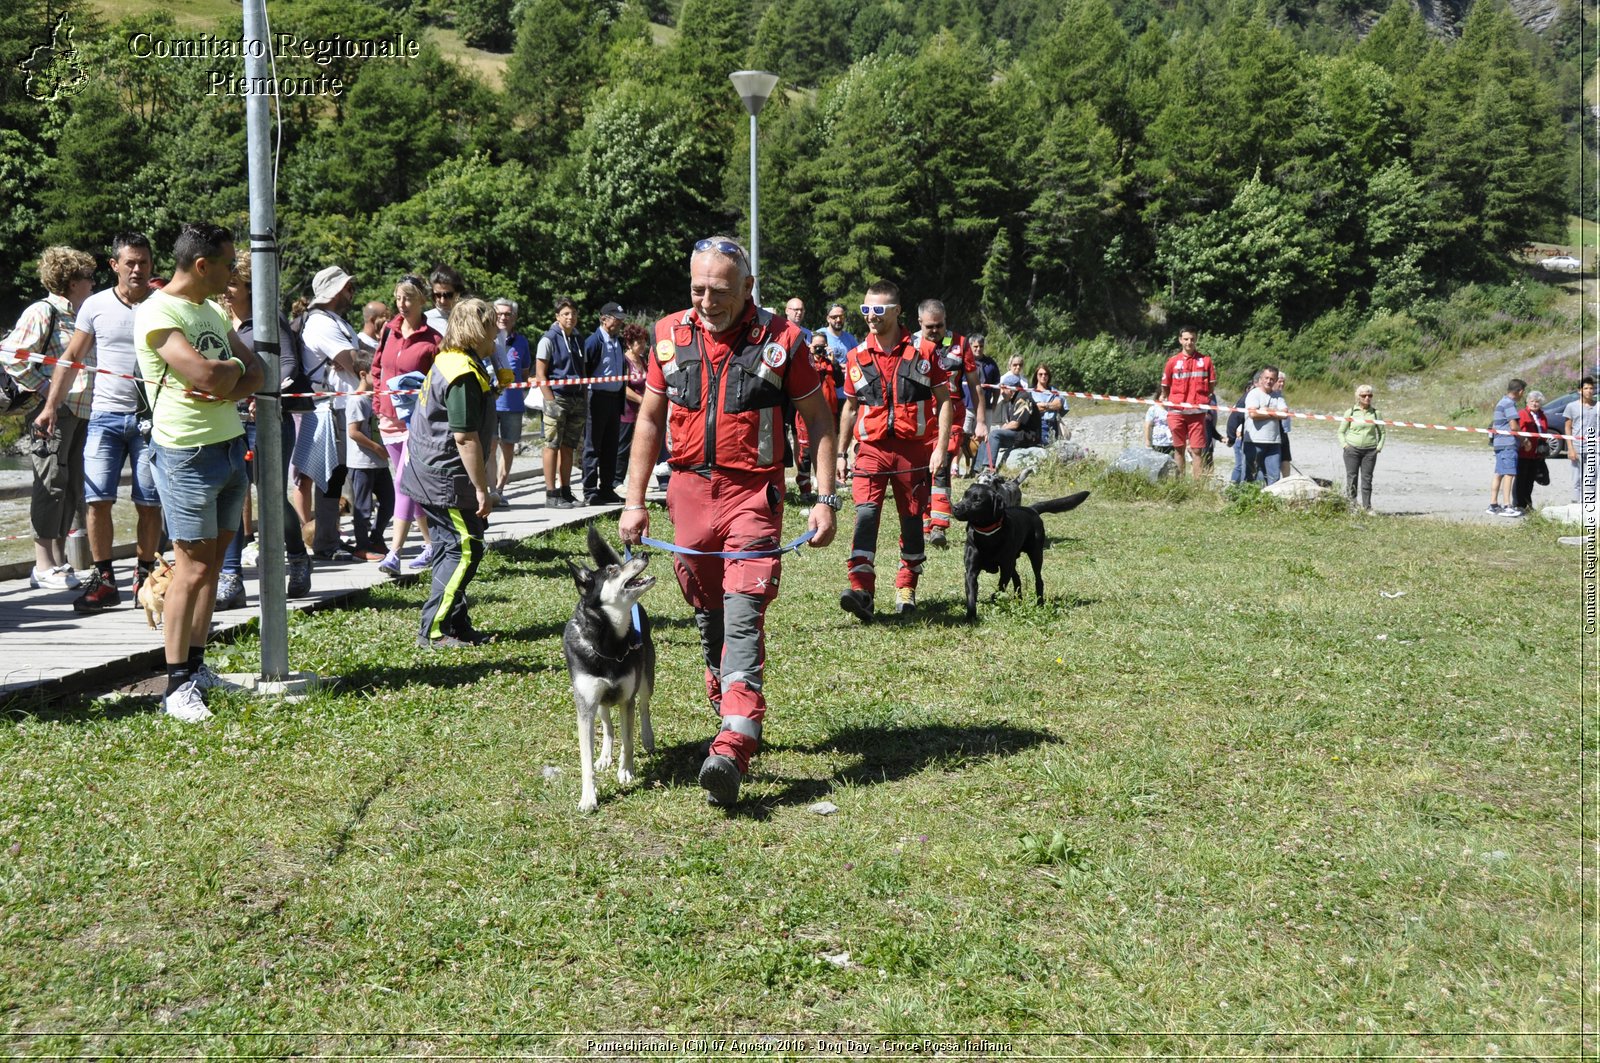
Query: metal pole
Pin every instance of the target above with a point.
(269, 460)
(755, 218)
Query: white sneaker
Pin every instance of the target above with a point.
(186, 704)
(68, 576)
(52, 579)
(205, 679)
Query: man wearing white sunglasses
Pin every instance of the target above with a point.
(897, 410)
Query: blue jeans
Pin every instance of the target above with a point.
(112, 440)
(1003, 441)
(1237, 476)
(202, 489)
(1263, 458)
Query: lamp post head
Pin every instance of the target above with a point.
(753, 86)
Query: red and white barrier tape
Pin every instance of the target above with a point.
(18, 354)
(21, 355)
(1201, 406)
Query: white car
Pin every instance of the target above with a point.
(1562, 264)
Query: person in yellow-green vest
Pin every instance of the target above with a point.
(445, 471)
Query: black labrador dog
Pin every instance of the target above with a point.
(999, 531)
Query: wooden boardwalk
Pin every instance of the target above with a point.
(49, 650)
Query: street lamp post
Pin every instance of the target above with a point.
(754, 86)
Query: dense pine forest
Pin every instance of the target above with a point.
(1340, 185)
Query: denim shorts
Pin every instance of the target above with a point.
(113, 439)
(510, 425)
(1505, 461)
(202, 488)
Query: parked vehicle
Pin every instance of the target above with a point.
(1562, 264)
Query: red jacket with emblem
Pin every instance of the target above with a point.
(895, 391)
(725, 391)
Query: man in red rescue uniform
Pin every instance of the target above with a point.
(1189, 376)
(958, 360)
(897, 410)
(718, 379)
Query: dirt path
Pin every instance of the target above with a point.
(1414, 476)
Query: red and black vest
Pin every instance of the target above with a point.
(895, 405)
(953, 360)
(727, 415)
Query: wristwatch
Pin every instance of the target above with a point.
(831, 501)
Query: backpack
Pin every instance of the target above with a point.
(14, 398)
(299, 379)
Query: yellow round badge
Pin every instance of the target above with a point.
(665, 350)
(855, 374)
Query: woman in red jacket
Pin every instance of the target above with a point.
(1531, 468)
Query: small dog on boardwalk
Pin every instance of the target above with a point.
(1000, 529)
(153, 591)
(610, 658)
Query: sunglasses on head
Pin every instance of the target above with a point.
(415, 282)
(877, 311)
(726, 247)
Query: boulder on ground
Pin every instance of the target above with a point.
(1024, 459)
(1572, 513)
(1066, 451)
(1150, 464)
(1296, 488)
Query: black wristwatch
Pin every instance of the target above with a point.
(831, 501)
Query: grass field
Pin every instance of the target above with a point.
(1251, 781)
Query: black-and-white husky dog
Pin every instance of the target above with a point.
(610, 658)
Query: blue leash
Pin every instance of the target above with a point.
(731, 555)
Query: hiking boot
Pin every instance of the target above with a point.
(299, 570)
(936, 537)
(905, 600)
(230, 591)
(186, 704)
(858, 604)
(719, 778)
(98, 595)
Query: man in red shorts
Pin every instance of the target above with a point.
(1188, 377)
(718, 380)
(956, 358)
(897, 410)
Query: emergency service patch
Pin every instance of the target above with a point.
(774, 356)
(923, 365)
(855, 374)
(665, 350)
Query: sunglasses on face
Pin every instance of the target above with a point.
(439, 297)
(877, 311)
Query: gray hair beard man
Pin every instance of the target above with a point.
(721, 373)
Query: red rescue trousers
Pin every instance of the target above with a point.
(728, 511)
(900, 466)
